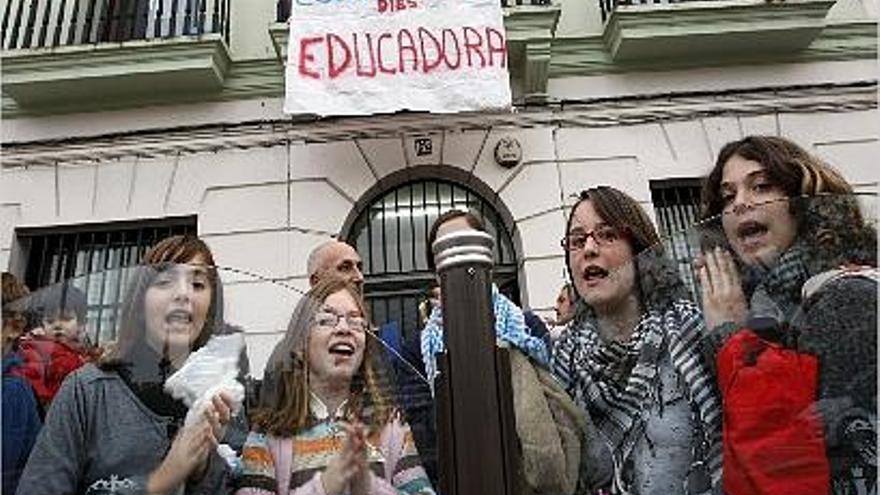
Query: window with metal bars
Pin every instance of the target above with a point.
(391, 233)
(94, 258)
(677, 204)
(50, 23)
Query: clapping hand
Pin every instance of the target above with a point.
(348, 468)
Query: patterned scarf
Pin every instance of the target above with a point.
(510, 327)
(616, 382)
(778, 291)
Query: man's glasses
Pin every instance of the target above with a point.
(332, 320)
(575, 241)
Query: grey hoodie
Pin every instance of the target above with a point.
(99, 438)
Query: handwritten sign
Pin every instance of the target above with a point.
(362, 57)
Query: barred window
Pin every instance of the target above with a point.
(391, 235)
(94, 257)
(677, 205)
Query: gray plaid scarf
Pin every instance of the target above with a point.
(615, 382)
(778, 291)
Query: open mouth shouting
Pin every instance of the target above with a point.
(594, 275)
(342, 348)
(179, 319)
(342, 351)
(751, 235)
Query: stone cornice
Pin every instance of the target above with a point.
(601, 112)
(73, 78)
(712, 28)
(582, 56)
(587, 56)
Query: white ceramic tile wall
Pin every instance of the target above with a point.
(34, 189)
(542, 279)
(623, 173)
(540, 235)
(259, 307)
(533, 191)
(462, 149)
(384, 155)
(113, 189)
(76, 189)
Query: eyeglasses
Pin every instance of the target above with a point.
(332, 320)
(603, 236)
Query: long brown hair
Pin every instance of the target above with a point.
(284, 404)
(132, 323)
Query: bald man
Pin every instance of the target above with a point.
(332, 258)
(338, 259)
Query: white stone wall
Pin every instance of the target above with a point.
(263, 209)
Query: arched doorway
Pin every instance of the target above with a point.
(390, 233)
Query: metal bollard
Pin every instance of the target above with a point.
(475, 424)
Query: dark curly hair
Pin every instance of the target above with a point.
(829, 220)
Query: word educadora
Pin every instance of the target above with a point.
(417, 50)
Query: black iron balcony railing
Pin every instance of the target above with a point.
(52, 23)
(283, 6)
(608, 6)
(515, 3)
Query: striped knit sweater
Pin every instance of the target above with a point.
(391, 455)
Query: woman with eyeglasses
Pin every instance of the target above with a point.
(328, 426)
(632, 356)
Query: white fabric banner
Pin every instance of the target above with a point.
(362, 57)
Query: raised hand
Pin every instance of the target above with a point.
(218, 414)
(187, 457)
(723, 297)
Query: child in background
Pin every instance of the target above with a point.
(63, 347)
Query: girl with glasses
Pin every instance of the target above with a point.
(327, 425)
(632, 357)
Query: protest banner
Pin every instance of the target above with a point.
(362, 57)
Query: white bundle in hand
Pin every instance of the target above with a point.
(207, 372)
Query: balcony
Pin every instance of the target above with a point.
(530, 26)
(81, 53)
(649, 31)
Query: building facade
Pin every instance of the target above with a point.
(128, 120)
